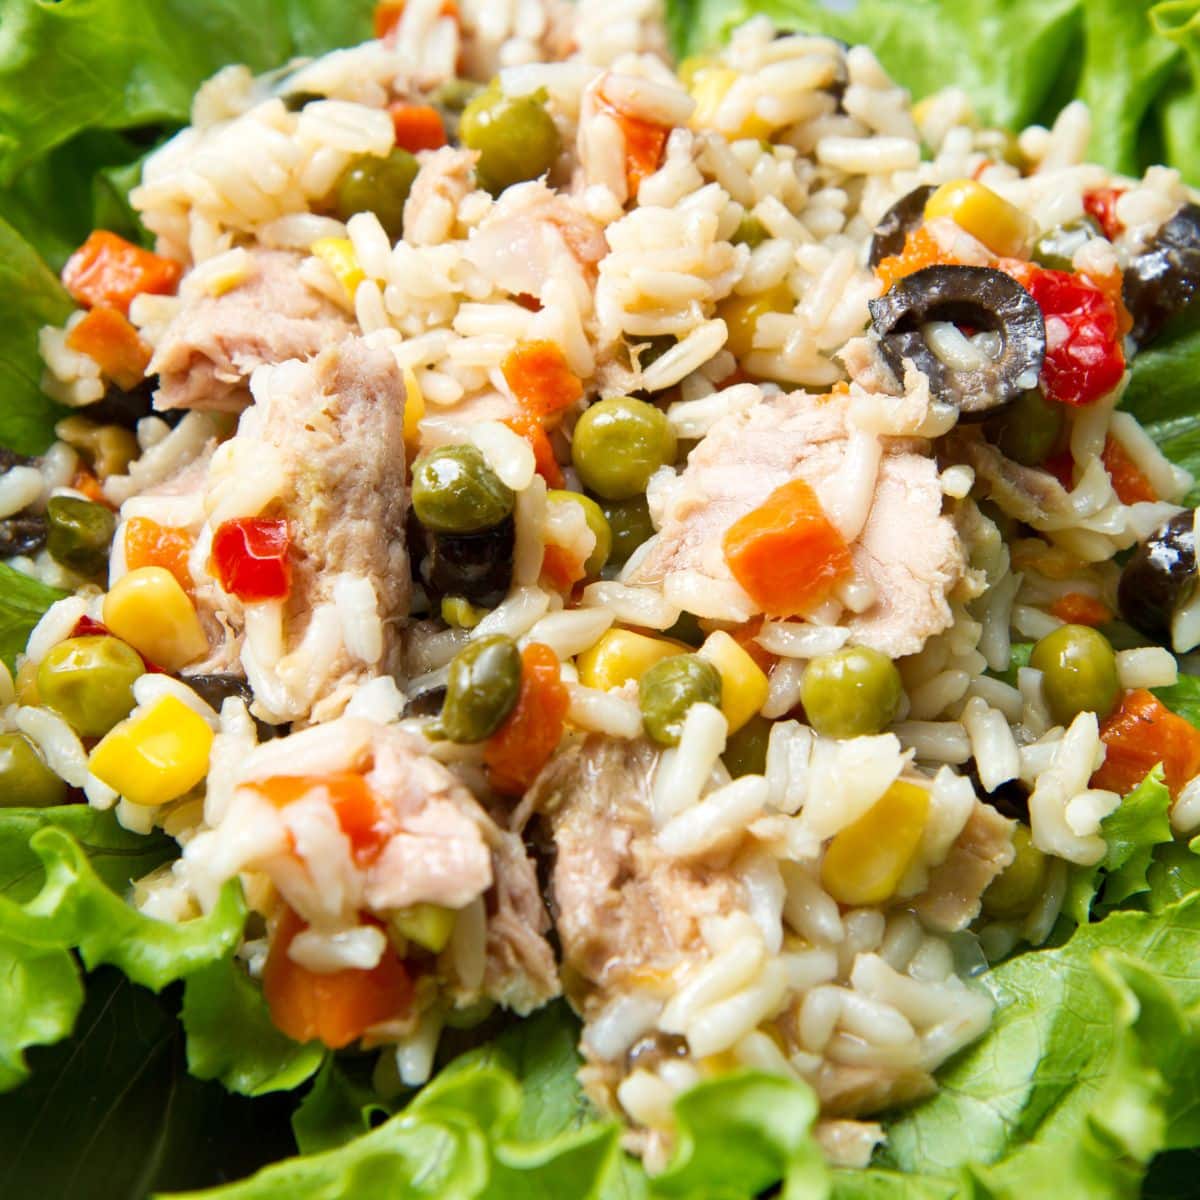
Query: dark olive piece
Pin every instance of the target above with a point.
(427, 703)
(10, 459)
(898, 222)
(214, 690)
(1010, 799)
(1162, 280)
(23, 534)
(476, 566)
(1160, 577)
(295, 101)
(981, 298)
(128, 408)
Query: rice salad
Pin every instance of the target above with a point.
(552, 521)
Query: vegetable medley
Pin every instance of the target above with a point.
(599, 601)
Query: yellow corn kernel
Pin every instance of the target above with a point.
(620, 657)
(414, 409)
(1002, 227)
(155, 756)
(867, 860)
(741, 315)
(148, 609)
(461, 613)
(709, 87)
(429, 925)
(339, 256)
(743, 685)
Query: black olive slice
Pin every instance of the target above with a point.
(23, 534)
(214, 690)
(476, 566)
(981, 298)
(1160, 578)
(1163, 280)
(897, 223)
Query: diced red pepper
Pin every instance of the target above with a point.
(109, 271)
(335, 1008)
(561, 569)
(1101, 203)
(521, 747)
(1062, 467)
(107, 337)
(1078, 608)
(86, 483)
(1128, 482)
(417, 126)
(645, 143)
(251, 558)
(366, 822)
(389, 12)
(1084, 359)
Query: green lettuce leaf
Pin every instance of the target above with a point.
(23, 600)
(337, 1108)
(75, 910)
(30, 297)
(116, 856)
(1133, 833)
(1174, 874)
(1027, 1090)
(1179, 107)
(112, 1113)
(230, 1035)
(1183, 698)
(42, 998)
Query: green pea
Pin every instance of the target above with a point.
(455, 491)
(378, 185)
(1055, 250)
(750, 232)
(852, 693)
(630, 523)
(25, 780)
(79, 533)
(1028, 429)
(88, 681)
(669, 688)
(1079, 672)
(515, 136)
(618, 444)
(1013, 892)
(596, 522)
(484, 682)
(746, 750)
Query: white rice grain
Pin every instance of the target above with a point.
(1147, 667)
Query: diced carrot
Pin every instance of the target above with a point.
(1078, 608)
(1112, 285)
(786, 554)
(645, 142)
(362, 818)
(417, 126)
(108, 271)
(921, 249)
(539, 442)
(387, 17)
(541, 380)
(335, 1008)
(84, 482)
(149, 544)
(521, 747)
(1139, 735)
(107, 337)
(561, 569)
(1128, 482)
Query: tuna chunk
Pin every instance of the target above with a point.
(438, 847)
(984, 848)
(206, 355)
(323, 447)
(883, 493)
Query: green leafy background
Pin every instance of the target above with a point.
(137, 1058)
